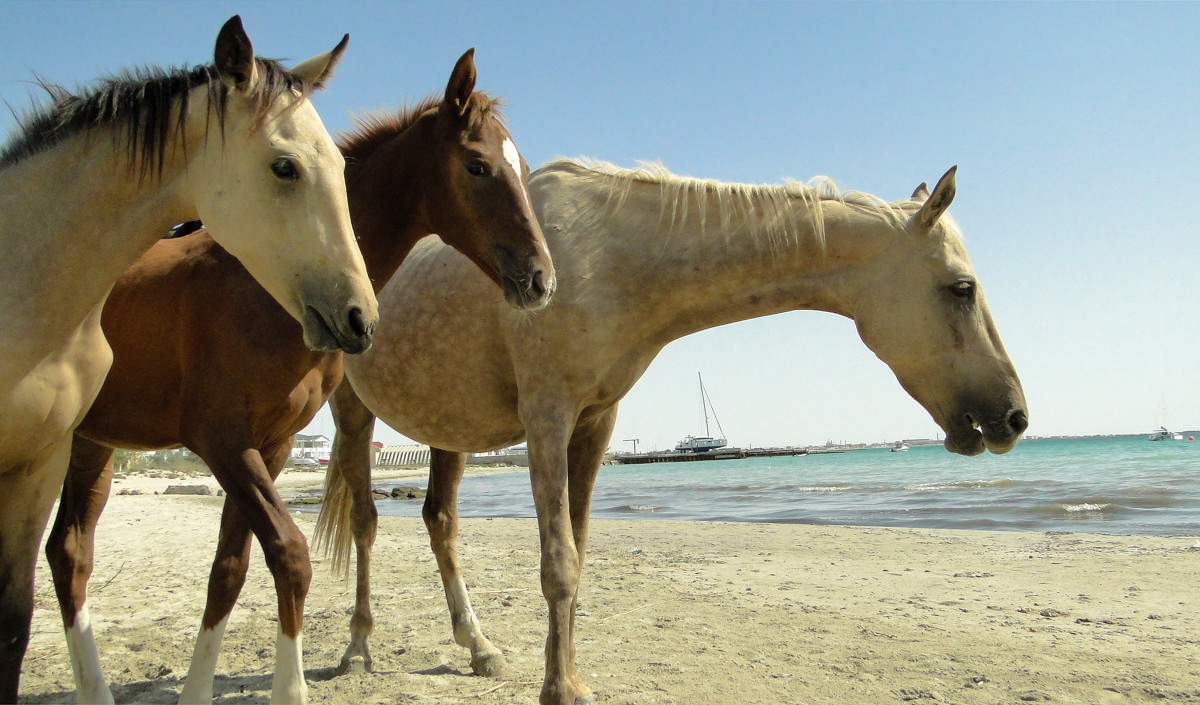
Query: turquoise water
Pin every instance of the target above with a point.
(1116, 485)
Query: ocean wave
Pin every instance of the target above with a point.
(821, 488)
(637, 509)
(1085, 507)
(960, 485)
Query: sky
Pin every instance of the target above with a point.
(1074, 127)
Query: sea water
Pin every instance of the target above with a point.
(1116, 485)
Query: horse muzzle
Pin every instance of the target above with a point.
(974, 431)
(530, 290)
(351, 331)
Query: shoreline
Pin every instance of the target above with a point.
(785, 613)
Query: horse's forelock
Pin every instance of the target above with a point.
(371, 128)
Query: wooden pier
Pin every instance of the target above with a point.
(671, 456)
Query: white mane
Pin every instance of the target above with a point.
(766, 208)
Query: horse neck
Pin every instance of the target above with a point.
(673, 280)
(389, 197)
(75, 216)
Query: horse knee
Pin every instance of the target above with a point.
(288, 561)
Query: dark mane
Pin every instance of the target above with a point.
(373, 128)
(147, 102)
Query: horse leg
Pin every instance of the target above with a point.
(70, 549)
(548, 434)
(441, 518)
(249, 483)
(27, 493)
(585, 452)
(225, 582)
(351, 455)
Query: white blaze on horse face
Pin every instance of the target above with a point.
(513, 157)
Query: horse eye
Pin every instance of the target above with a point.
(285, 169)
(477, 169)
(963, 289)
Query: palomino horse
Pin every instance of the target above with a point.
(644, 258)
(135, 156)
(447, 167)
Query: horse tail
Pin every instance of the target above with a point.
(333, 534)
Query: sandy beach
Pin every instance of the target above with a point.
(669, 612)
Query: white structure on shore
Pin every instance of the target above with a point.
(418, 454)
(402, 455)
(316, 448)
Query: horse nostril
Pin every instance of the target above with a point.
(537, 286)
(357, 325)
(1018, 421)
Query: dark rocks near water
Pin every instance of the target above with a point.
(394, 493)
(399, 493)
(203, 490)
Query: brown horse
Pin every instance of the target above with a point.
(185, 371)
(645, 257)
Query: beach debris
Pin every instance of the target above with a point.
(976, 681)
(203, 490)
(129, 491)
(973, 574)
(159, 672)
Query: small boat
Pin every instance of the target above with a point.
(701, 444)
(1162, 434)
(900, 445)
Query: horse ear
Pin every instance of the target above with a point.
(462, 82)
(234, 56)
(921, 191)
(938, 201)
(319, 69)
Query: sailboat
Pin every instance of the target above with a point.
(700, 444)
(1162, 434)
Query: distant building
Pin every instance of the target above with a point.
(517, 455)
(415, 454)
(402, 455)
(316, 448)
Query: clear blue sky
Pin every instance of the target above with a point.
(1074, 127)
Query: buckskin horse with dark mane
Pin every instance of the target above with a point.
(91, 182)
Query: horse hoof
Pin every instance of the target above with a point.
(589, 699)
(354, 664)
(489, 665)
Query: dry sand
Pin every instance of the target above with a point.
(669, 612)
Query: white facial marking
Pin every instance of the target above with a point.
(513, 157)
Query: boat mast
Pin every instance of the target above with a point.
(705, 404)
